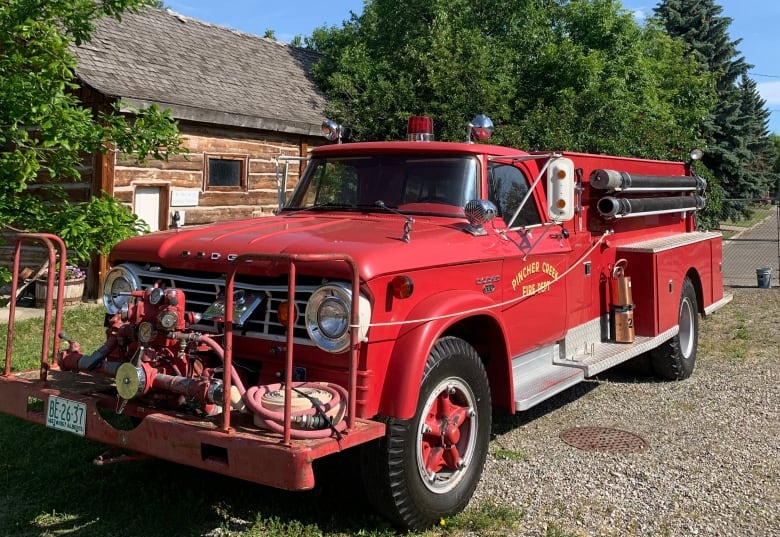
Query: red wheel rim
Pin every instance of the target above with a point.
(446, 435)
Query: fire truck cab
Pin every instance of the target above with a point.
(402, 293)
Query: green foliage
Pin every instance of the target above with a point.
(94, 227)
(710, 216)
(578, 75)
(148, 132)
(738, 150)
(510, 455)
(45, 131)
(486, 518)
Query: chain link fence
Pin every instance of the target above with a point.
(751, 252)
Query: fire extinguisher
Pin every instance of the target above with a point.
(622, 305)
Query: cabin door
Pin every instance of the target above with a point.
(150, 203)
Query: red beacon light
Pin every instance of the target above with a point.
(419, 129)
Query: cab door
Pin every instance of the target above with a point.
(533, 288)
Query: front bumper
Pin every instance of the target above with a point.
(243, 450)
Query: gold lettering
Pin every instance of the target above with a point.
(529, 270)
(550, 270)
(526, 271)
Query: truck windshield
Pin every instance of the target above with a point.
(410, 183)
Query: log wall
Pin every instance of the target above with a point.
(259, 196)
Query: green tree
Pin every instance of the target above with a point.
(578, 75)
(45, 131)
(735, 130)
(760, 157)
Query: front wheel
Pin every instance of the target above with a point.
(675, 359)
(426, 468)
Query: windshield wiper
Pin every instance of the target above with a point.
(324, 205)
(407, 225)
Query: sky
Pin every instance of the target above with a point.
(756, 22)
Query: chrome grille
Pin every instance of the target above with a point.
(202, 289)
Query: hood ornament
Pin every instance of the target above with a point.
(407, 225)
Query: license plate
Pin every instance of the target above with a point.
(66, 415)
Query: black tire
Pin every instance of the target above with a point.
(675, 359)
(426, 468)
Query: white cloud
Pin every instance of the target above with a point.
(770, 92)
(639, 15)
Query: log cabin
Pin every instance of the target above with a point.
(241, 101)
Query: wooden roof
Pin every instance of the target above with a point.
(203, 72)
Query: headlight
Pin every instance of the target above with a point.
(328, 314)
(120, 282)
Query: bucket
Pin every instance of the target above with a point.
(764, 276)
(72, 293)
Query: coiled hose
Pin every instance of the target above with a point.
(275, 420)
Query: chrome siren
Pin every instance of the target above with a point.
(479, 213)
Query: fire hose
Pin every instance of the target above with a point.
(319, 420)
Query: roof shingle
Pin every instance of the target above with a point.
(203, 72)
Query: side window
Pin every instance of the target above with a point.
(507, 187)
(225, 172)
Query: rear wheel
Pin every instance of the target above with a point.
(675, 359)
(426, 468)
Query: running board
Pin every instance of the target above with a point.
(536, 377)
(602, 356)
(542, 373)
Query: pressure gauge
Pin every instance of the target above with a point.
(146, 332)
(156, 295)
(168, 319)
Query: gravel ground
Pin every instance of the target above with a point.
(712, 467)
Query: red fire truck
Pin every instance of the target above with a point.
(403, 292)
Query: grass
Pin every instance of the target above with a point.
(49, 486)
(510, 455)
(759, 211)
(554, 531)
(82, 323)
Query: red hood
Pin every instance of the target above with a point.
(373, 241)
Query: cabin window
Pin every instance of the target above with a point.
(507, 188)
(226, 172)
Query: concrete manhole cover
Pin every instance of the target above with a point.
(604, 439)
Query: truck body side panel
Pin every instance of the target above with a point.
(657, 269)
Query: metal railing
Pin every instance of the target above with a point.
(56, 254)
